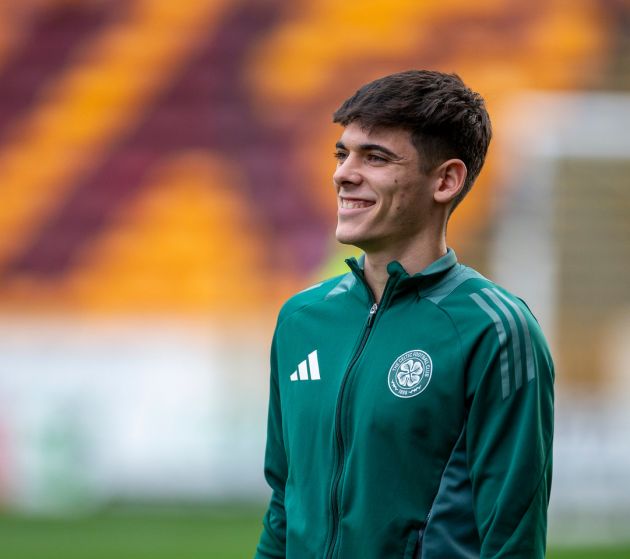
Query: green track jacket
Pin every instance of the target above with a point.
(418, 428)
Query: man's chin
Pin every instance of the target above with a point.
(344, 237)
(349, 238)
(345, 241)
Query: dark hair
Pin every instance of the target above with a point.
(446, 119)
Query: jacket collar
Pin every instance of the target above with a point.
(430, 276)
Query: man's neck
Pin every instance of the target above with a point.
(413, 258)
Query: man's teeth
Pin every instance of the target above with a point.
(354, 204)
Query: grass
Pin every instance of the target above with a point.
(226, 532)
(220, 532)
(590, 553)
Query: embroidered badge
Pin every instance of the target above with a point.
(410, 374)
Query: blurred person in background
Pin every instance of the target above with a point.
(411, 402)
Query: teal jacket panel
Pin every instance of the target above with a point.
(420, 428)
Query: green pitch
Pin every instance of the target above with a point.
(219, 532)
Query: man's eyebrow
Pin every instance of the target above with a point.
(372, 147)
(378, 147)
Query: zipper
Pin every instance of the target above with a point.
(418, 552)
(334, 497)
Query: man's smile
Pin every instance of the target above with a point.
(354, 203)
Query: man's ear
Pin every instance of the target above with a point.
(449, 180)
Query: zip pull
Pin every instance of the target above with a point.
(372, 314)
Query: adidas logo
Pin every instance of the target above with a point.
(303, 369)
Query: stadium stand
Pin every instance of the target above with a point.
(101, 97)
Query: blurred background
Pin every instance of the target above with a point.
(165, 183)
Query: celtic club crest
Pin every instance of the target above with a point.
(410, 374)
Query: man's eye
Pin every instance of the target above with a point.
(375, 158)
(340, 155)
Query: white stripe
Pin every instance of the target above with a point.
(294, 376)
(516, 344)
(311, 287)
(344, 285)
(529, 353)
(303, 370)
(503, 358)
(313, 365)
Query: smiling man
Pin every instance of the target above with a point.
(411, 399)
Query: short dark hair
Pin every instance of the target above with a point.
(446, 119)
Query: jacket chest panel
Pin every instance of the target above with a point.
(313, 356)
(408, 387)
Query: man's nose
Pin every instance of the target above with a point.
(347, 173)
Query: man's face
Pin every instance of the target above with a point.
(383, 197)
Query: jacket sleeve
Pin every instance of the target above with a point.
(272, 542)
(509, 437)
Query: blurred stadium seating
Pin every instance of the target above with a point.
(165, 184)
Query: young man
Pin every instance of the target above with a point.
(411, 403)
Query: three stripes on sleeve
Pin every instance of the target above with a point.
(508, 317)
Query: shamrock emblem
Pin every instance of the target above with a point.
(410, 373)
